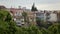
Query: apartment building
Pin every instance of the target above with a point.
(41, 15)
(47, 16)
(32, 17)
(17, 16)
(51, 16)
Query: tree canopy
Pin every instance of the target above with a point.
(33, 8)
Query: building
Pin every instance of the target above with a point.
(2, 7)
(41, 15)
(51, 16)
(32, 17)
(47, 16)
(44, 16)
(58, 16)
(17, 16)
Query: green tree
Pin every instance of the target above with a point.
(12, 27)
(38, 21)
(24, 14)
(33, 8)
(44, 31)
(26, 19)
(54, 29)
(7, 25)
(8, 17)
(3, 14)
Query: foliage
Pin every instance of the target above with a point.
(34, 8)
(7, 26)
(29, 30)
(54, 29)
(24, 14)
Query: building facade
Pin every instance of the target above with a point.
(41, 16)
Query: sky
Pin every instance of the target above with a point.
(40, 4)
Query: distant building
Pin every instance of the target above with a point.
(58, 16)
(2, 7)
(17, 16)
(19, 19)
(51, 16)
(45, 16)
(41, 15)
(31, 17)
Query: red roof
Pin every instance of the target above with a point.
(14, 10)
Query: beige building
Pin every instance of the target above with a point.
(32, 17)
(18, 17)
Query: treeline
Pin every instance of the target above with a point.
(8, 26)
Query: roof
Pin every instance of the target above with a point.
(2, 7)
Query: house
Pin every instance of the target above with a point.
(41, 15)
(46, 16)
(17, 16)
(2, 7)
(51, 16)
(32, 17)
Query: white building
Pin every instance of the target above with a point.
(53, 17)
(47, 16)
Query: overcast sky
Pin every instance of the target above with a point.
(40, 4)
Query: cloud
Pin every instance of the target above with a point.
(45, 6)
(48, 6)
(40, 4)
(47, 1)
